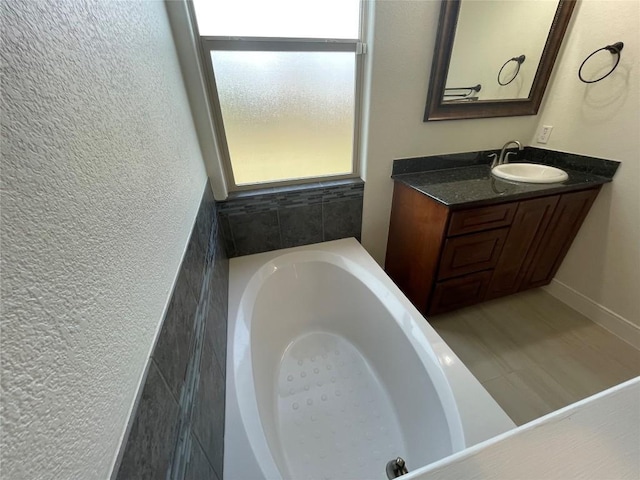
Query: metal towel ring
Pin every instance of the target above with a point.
(614, 49)
(520, 61)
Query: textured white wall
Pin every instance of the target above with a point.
(101, 180)
(400, 55)
(602, 120)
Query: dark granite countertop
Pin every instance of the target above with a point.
(475, 186)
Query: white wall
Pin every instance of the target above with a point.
(594, 438)
(101, 180)
(399, 60)
(602, 120)
(195, 83)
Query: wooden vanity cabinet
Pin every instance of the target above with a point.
(526, 232)
(444, 260)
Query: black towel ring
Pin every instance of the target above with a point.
(519, 60)
(614, 49)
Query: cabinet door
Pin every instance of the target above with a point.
(553, 245)
(471, 253)
(528, 227)
(459, 292)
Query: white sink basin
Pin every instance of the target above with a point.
(529, 173)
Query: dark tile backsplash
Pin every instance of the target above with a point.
(216, 321)
(173, 350)
(291, 216)
(294, 196)
(300, 225)
(342, 218)
(177, 429)
(255, 232)
(208, 422)
(198, 467)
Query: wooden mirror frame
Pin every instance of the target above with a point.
(436, 109)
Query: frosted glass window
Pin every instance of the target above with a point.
(279, 18)
(287, 115)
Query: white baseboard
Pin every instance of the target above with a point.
(616, 324)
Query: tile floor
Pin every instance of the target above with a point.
(534, 354)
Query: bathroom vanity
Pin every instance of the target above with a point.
(461, 236)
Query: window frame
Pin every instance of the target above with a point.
(280, 44)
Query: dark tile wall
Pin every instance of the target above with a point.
(177, 429)
(198, 467)
(152, 436)
(290, 216)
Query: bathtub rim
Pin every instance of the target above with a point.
(244, 270)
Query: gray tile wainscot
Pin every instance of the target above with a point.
(177, 428)
(284, 217)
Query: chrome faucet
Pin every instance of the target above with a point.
(504, 157)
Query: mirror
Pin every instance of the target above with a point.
(493, 58)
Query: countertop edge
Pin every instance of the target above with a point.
(553, 189)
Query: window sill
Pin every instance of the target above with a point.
(293, 189)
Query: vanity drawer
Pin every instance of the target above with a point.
(484, 218)
(471, 253)
(459, 292)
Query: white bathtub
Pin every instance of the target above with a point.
(331, 372)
